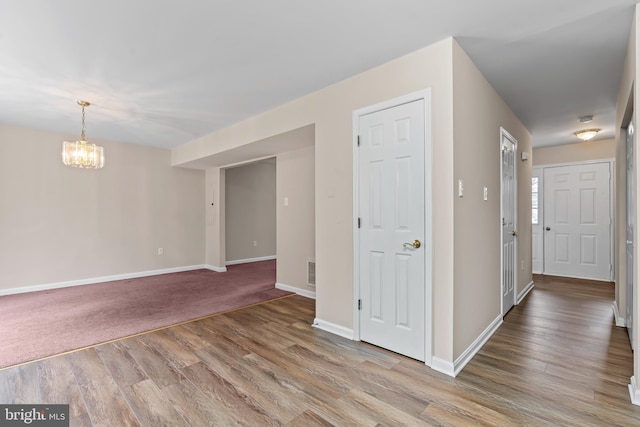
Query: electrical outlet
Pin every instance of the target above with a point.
(286, 201)
(160, 251)
(255, 243)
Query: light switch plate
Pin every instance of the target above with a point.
(460, 188)
(485, 194)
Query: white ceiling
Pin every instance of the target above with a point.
(163, 72)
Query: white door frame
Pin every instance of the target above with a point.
(505, 134)
(424, 95)
(540, 172)
(630, 220)
(612, 186)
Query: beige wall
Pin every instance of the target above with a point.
(250, 210)
(215, 245)
(296, 221)
(61, 224)
(478, 115)
(578, 152)
(330, 110)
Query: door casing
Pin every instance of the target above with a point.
(630, 226)
(506, 135)
(537, 230)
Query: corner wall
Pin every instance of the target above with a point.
(330, 110)
(61, 224)
(296, 230)
(215, 241)
(466, 266)
(478, 114)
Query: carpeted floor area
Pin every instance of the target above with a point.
(41, 324)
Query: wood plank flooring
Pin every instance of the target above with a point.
(557, 360)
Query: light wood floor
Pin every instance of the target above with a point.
(557, 360)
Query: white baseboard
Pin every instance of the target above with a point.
(216, 269)
(475, 347)
(247, 260)
(443, 366)
(620, 321)
(604, 281)
(333, 328)
(524, 293)
(302, 292)
(93, 280)
(634, 392)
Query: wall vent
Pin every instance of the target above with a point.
(311, 272)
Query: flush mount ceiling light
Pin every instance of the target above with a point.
(587, 134)
(81, 154)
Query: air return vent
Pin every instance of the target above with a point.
(311, 271)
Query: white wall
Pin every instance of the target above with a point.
(60, 224)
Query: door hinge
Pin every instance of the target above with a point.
(358, 141)
(359, 304)
(610, 268)
(358, 222)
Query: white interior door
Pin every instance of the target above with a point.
(577, 221)
(391, 163)
(630, 226)
(508, 202)
(537, 249)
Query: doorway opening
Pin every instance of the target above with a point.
(572, 227)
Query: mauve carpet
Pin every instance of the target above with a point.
(36, 325)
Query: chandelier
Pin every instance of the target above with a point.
(81, 154)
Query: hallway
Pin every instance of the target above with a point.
(560, 357)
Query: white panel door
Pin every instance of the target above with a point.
(537, 239)
(508, 203)
(392, 214)
(631, 197)
(577, 221)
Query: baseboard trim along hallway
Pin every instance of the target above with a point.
(333, 328)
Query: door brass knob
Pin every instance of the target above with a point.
(415, 244)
